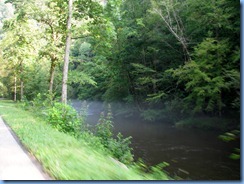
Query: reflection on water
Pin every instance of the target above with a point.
(192, 154)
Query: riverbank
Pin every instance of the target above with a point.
(182, 148)
(62, 156)
(209, 123)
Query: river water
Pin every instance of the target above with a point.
(192, 154)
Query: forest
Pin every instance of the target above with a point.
(174, 61)
(181, 57)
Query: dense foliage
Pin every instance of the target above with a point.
(170, 60)
(64, 118)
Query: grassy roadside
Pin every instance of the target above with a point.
(63, 156)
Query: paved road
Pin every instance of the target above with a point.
(15, 163)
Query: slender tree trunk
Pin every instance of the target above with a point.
(132, 91)
(21, 90)
(154, 76)
(51, 77)
(66, 56)
(15, 88)
(174, 24)
(21, 82)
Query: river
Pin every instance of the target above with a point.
(192, 154)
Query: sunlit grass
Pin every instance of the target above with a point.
(63, 156)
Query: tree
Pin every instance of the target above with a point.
(159, 56)
(18, 48)
(66, 56)
(211, 80)
(51, 18)
(169, 12)
(84, 10)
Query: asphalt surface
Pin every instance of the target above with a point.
(15, 162)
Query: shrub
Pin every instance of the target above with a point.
(40, 104)
(118, 147)
(92, 141)
(104, 128)
(64, 118)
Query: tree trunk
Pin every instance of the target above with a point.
(174, 24)
(21, 90)
(132, 91)
(51, 77)
(15, 88)
(66, 56)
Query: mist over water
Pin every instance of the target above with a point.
(192, 153)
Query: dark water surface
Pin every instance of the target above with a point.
(192, 154)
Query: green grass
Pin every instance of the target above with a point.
(63, 156)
